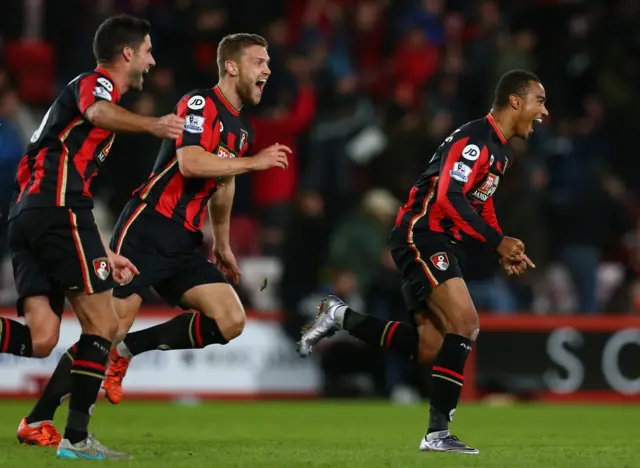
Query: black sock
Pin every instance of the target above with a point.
(377, 333)
(15, 338)
(447, 379)
(87, 372)
(54, 392)
(186, 331)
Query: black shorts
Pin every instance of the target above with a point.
(170, 258)
(431, 259)
(54, 250)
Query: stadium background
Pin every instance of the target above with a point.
(363, 91)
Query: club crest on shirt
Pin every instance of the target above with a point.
(102, 268)
(487, 188)
(244, 135)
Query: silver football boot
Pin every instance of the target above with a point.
(88, 449)
(324, 326)
(444, 441)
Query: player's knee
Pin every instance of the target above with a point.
(232, 325)
(426, 355)
(123, 326)
(96, 314)
(44, 326)
(43, 343)
(465, 324)
(104, 325)
(121, 332)
(430, 343)
(226, 309)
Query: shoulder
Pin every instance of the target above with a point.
(476, 131)
(197, 100)
(96, 83)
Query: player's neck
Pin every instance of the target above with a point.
(504, 122)
(118, 75)
(228, 90)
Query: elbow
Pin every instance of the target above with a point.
(94, 114)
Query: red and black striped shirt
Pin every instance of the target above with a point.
(215, 125)
(66, 151)
(454, 195)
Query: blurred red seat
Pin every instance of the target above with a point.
(33, 62)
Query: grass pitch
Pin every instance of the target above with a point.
(344, 434)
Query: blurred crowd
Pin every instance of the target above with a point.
(363, 91)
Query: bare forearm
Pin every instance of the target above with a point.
(107, 249)
(220, 213)
(117, 119)
(195, 162)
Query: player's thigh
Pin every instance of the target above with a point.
(137, 237)
(432, 280)
(424, 265)
(220, 302)
(39, 300)
(452, 303)
(71, 253)
(95, 313)
(201, 286)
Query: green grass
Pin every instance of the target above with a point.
(343, 435)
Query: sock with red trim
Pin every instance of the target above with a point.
(56, 389)
(186, 331)
(447, 380)
(87, 372)
(377, 333)
(15, 338)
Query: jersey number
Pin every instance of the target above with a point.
(36, 135)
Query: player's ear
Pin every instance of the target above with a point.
(231, 67)
(127, 53)
(515, 101)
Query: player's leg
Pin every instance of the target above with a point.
(218, 318)
(431, 332)
(44, 324)
(402, 338)
(126, 311)
(39, 335)
(99, 326)
(77, 259)
(451, 302)
(41, 305)
(194, 283)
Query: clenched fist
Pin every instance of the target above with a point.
(273, 156)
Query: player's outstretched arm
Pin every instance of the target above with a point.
(195, 162)
(114, 118)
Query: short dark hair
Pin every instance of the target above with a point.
(512, 82)
(116, 33)
(232, 46)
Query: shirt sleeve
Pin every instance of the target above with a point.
(202, 123)
(460, 172)
(93, 88)
(489, 215)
